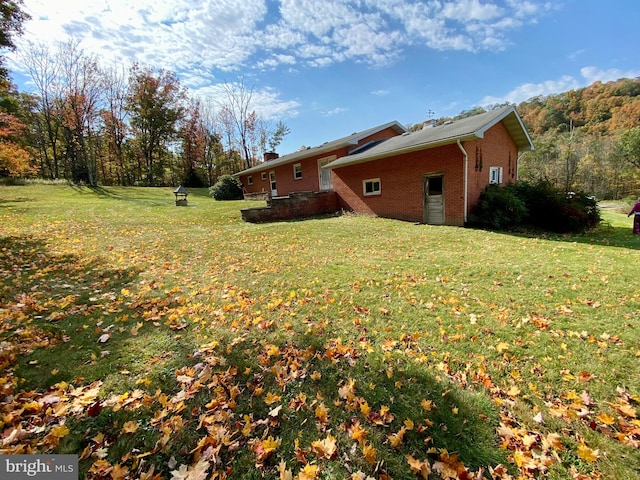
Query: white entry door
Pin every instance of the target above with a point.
(272, 181)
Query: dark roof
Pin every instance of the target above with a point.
(450, 132)
(181, 190)
(350, 140)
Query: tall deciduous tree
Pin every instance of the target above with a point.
(81, 81)
(114, 116)
(12, 18)
(156, 104)
(43, 67)
(239, 118)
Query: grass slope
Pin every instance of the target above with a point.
(179, 342)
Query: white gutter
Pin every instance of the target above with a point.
(466, 179)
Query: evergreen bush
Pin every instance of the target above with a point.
(226, 188)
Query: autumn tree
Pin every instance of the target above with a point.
(12, 18)
(114, 117)
(80, 106)
(155, 104)
(14, 156)
(193, 138)
(14, 159)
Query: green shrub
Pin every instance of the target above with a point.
(535, 206)
(227, 188)
(499, 208)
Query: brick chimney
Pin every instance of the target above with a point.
(270, 156)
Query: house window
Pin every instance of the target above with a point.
(371, 186)
(264, 175)
(495, 175)
(250, 180)
(297, 171)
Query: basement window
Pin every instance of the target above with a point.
(250, 180)
(495, 175)
(371, 186)
(297, 171)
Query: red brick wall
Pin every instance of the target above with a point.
(401, 178)
(310, 181)
(496, 149)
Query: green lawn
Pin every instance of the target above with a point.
(158, 341)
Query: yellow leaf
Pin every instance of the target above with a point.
(427, 405)
(309, 472)
(419, 467)
(502, 346)
(284, 473)
(271, 398)
(369, 453)
(358, 433)
(322, 414)
(326, 448)
(588, 454)
(408, 423)
(60, 431)
(130, 427)
(606, 418)
(395, 439)
(270, 444)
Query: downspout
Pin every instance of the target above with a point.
(466, 178)
(520, 154)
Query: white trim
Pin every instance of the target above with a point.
(495, 175)
(249, 179)
(466, 180)
(373, 182)
(298, 170)
(321, 163)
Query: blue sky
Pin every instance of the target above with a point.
(330, 68)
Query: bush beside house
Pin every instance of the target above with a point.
(522, 205)
(226, 188)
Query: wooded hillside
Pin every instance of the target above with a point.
(600, 108)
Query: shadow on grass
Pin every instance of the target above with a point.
(65, 300)
(462, 422)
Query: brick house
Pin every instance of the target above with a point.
(302, 171)
(434, 175)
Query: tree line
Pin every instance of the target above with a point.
(138, 126)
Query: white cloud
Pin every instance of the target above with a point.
(380, 93)
(530, 90)
(593, 74)
(565, 83)
(228, 35)
(335, 111)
